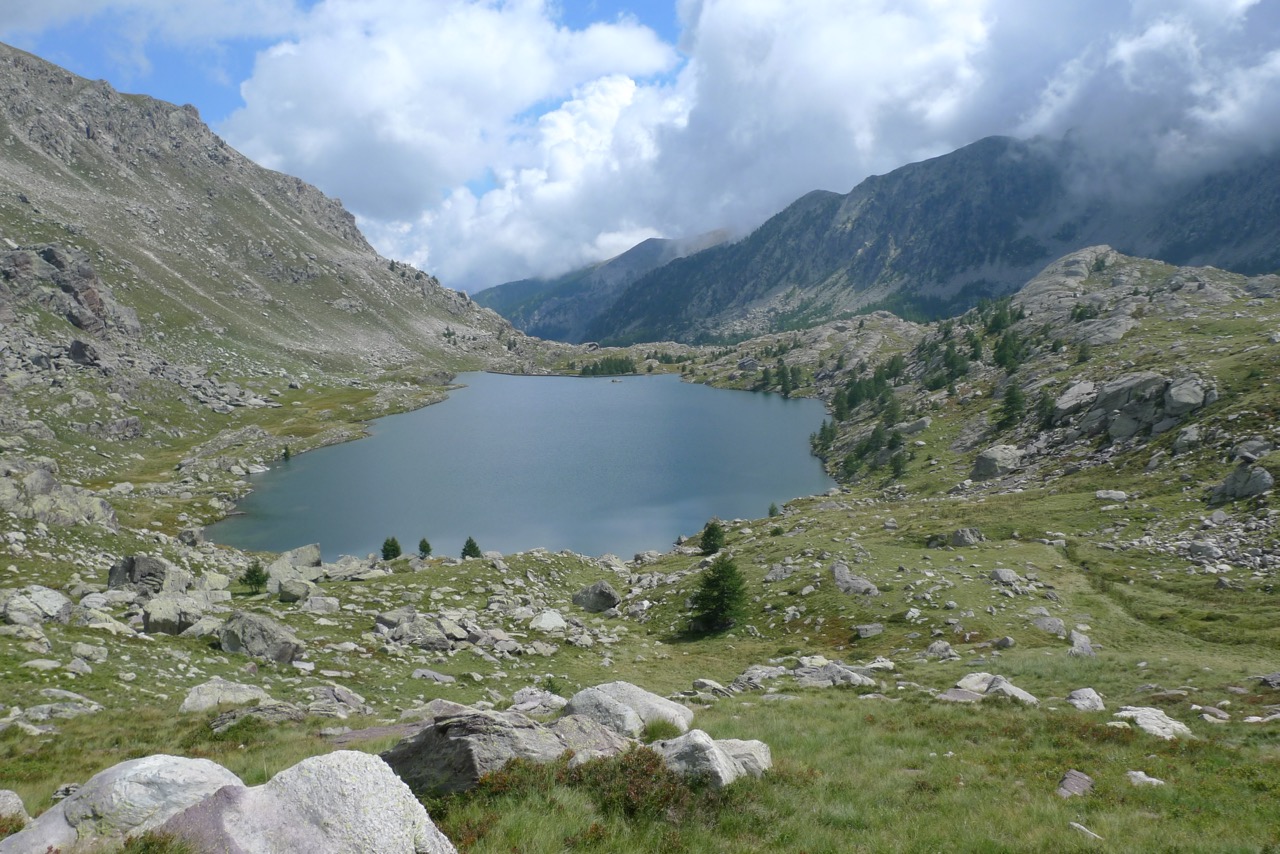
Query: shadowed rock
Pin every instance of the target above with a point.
(454, 752)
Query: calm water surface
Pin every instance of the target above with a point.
(592, 465)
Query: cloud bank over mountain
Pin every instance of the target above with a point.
(489, 141)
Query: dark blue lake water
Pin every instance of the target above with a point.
(592, 465)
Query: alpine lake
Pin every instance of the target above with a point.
(594, 465)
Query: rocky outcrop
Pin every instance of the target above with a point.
(853, 585)
(300, 564)
(29, 490)
(454, 751)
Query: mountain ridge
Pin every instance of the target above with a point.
(932, 238)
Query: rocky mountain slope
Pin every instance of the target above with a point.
(933, 238)
(562, 309)
(1067, 588)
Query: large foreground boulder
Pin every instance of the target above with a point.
(455, 751)
(125, 800)
(259, 636)
(339, 803)
(696, 754)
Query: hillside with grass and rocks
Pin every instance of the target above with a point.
(1037, 614)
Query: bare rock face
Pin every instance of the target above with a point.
(343, 802)
(125, 800)
(259, 636)
(455, 751)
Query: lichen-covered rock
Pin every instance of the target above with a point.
(124, 800)
(171, 613)
(649, 706)
(343, 802)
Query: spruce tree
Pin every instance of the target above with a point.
(712, 538)
(470, 549)
(255, 577)
(390, 548)
(721, 598)
(424, 548)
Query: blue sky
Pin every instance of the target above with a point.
(490, 140)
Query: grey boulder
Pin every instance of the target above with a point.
(34, 605)
(148, 576)
(597, 597)
(171, 613)
(218, 692)
(1245, 482)
(125, 800)
(260, 637)
(854, 585)
(343, 802)
(649, 707)
(453, 752)
(696, 754)
(996, 461)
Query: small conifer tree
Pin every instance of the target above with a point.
(773, 510)
(721, 598)
(470, 549)
(255, 577)
(390, 548)
(424, 548)
(712, 538)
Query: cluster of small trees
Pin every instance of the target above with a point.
(391, 548)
